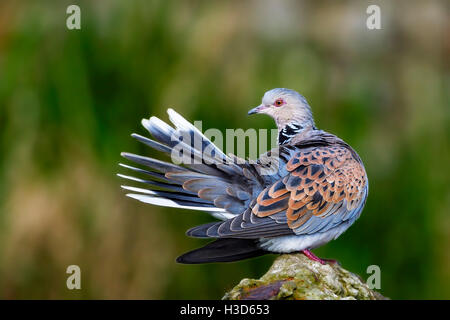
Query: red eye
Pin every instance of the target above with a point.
(279, 102)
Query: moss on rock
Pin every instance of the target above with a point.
(295, 277)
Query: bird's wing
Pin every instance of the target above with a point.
(325, 186)
(203, 178)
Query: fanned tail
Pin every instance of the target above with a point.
(206, 181)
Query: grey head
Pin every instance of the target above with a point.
(286, 106)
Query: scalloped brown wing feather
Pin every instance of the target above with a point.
(320, 181)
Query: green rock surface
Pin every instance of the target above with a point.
(295, 277)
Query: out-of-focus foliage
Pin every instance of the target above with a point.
(70, 99)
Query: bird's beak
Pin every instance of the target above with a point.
(258, 109)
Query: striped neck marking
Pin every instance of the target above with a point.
(288, 132)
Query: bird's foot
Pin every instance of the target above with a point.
(313, 257)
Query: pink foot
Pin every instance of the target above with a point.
(313, 257)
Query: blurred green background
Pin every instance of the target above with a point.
(69, 100)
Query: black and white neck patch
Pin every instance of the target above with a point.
(288, 132)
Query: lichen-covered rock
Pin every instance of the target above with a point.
(295, 277)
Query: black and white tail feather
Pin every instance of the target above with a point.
(211, 181)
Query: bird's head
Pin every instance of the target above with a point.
(285, 106)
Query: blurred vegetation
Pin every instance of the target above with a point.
(70, 99)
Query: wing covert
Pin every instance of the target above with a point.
(324, 186)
